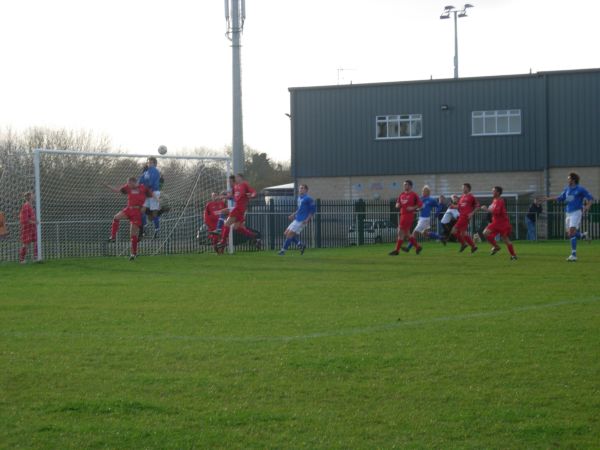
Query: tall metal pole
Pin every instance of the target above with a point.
(455, 45)
(234, 31)
(458, 13)
(38, 202)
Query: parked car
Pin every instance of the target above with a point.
(375, 232)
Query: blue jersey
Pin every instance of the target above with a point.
(151, 178)
(428, 203)
(573, 197)
(306, 207)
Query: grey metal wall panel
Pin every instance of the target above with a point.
(333, 128)
(574, 119)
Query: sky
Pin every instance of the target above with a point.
(155, 72)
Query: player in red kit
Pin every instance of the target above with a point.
(467, 205)
(500, 224)
(408, 202)
(212, 211)
(242, 193)
(28, 231)
(136, 196)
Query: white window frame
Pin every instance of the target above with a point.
(396, 123)
(489, 120)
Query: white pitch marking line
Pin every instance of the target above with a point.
(324, 334)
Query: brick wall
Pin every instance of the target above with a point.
(386, 187)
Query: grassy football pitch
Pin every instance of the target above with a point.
(339, 348)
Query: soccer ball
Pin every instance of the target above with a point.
(162, 149)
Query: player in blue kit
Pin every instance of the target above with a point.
(577, 202)
(424, 222)
(306, 209)
(152, 180)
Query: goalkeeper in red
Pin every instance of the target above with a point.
(242, 193)
(500, 224)
(136, 196)
(28, 228)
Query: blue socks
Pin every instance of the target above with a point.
(289, 241)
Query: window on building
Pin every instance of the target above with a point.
(401, 126)
(494, 123)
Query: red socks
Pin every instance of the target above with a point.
(246, 232)
(414, 242)
(114, 229)
(399, 244)
(469, 241)
(134, 244)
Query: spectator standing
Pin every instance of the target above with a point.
(535, 209)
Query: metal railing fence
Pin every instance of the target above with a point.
(341, 223)
(337, 223)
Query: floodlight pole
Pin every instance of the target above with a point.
(455, 45)
(235, 27)
(457, 13)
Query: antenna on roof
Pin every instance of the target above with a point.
(340, 75)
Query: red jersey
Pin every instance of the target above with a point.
(240, 191)
(27, 215)
(499, 213)
(211, 211)
(407, 199)
(136, 196)
(467, 204)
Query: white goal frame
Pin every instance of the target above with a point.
(37, 161)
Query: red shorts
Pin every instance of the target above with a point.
(238, 213)
(134, 215)
(462, 224)
(212, 223)
(406, 222)
(28, 234)
(503, 229)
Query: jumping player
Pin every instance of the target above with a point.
(242, 193)
(306, 209)
(578, 201)
(467, 205)
(408, 202)
(500, 224)
(28, 231)
(424, 222)
(449, 218)
(136, 196)
(152, 180)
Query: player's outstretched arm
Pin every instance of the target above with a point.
(115, 189)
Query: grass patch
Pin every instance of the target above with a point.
(344, 348)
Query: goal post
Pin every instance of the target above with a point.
(74, 208)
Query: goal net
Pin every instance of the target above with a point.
(75, 209)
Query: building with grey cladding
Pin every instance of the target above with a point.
(522, 132)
